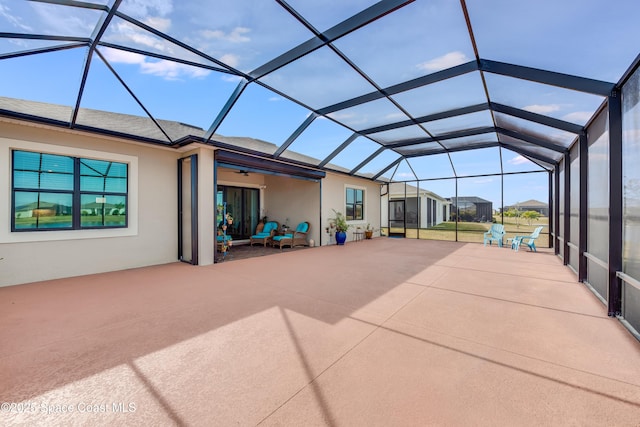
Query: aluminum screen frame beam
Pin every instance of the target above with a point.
(75, 3)
(85, 40)
(307, 122)
(402, 87)
(367, 160)
(345, 27)
(165, 57)
(43, 50)
(567, 81)
(583, 215)
(527, 153)
(452, 150)
(616, 182)
(337, 151)
(395, 162)
(532, 140)
(537, 118)
(224, 111)
(556, 212)
(429, 118)
(443, 137)
(99, 30)
(566, 219)
(133, 95)
(177, 42)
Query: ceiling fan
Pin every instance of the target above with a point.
(244, 172)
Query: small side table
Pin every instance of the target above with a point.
(358, 236)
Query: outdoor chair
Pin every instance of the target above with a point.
(295, 238)
(266, 234)
(531, 240)
(495, 234)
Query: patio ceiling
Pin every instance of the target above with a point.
(361, 87)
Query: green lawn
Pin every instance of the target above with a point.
(462, 226)
(473, 231)
(61, 221)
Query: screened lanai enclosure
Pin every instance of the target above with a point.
(457, 109)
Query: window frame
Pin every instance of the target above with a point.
(355, 189)
(76, 192)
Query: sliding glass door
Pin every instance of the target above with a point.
(243, 204)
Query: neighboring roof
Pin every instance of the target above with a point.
(398, 189)
(136, 127)
(469, 199)
(124, 124)
(530, 203)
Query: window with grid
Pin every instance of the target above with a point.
(57, 192)
(355, 204)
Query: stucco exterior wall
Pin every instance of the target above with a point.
(333, 197)
(293, 201)
(151, 237)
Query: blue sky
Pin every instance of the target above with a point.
(583, 37)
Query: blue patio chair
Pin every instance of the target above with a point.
(295, 238)
(266, 234)
(495, 234)
(531, 240)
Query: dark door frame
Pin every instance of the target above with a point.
(404, 219)
(194, 209)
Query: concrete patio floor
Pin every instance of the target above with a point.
(385, 332)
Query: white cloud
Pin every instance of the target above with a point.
(483, 181)
(231, 78)
(350, 118)
(542, 109)
(405, 175)
(276, 99)
(5, 12)
(578, 116)
(160, 24)
(230, 59)
(448, 60)
(165, 69)
(126, 31)
(122, 57)
(518, 160)
(61, 20)
(396, 116)
(172, 70)
(142, 9)
(237, 35)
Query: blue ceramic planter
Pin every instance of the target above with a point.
(341, 237)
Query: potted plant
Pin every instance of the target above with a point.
(341, 225)
(368, 232)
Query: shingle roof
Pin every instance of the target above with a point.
(469, 199)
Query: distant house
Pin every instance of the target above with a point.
(530, 205)
(472, 208)
(41, 209)
(431, 208)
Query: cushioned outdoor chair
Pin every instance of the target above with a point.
(296, 238)
(266, 234)
(495, 234)
(530, 240)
